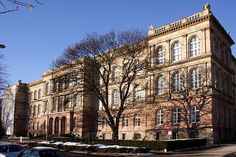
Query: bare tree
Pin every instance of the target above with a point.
(107, 62)
(7, 5)
(189, 95)
(8, 107)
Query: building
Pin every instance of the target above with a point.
(15, 109)
(189, 86)
(58, 106)
(187, 91)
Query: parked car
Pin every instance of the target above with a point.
(9, 150)
(40, 152)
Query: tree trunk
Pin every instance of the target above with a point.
(115, 136)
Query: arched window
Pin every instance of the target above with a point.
(116, 97)
(34, 111)
(195, 77)
(47, 88)
(160, 85)
(160, 55)
(39, 94)
(176, 51)
(176, 82)
(159, 117)
(39, 109)
(176, 115)
(137, 120)
(194, 46)
(116, 74)
(35, 95)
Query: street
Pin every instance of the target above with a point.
(228, 150)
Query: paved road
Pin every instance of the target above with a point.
(228, 150)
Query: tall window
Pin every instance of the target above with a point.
(195, 77)
(160, 55)
(215, 45)
(137, 120)
(39, 94)
(176, 115)
(160, 85)
(39, 109)
(176, 51)
(176, 82)
(125, 121)
(47, 88)
(159, 117)
(34, 111)
(194, 46)
(77, 99)
(116, 97)
(195, 114)
(138, 93)
(35, 95)
(116, 74)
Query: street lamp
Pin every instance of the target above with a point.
(2, 46)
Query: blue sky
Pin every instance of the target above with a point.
(34, 38)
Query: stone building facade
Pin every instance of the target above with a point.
(189, 88)
(187, 91)
(58, 106)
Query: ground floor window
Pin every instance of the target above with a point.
(123, 136)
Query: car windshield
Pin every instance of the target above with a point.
(50, 153)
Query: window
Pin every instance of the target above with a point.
(160, 85)
(176, 115)
(195, 114)
(45, 106)
(160, 55)
(176, 82)
(34, 111)
(47, 88)
(138, 93)
(39, 94)
(159, 117)
(55, 103)
(176, 51)
(116, 97)
(35, 95)
(77, 100)
(125, 121)
(214, 45)
(194, 46)
(116, 74)
(195, 77)
(39, 109)
(137, 120)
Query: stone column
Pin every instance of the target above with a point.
(203, 41)
(168, 52)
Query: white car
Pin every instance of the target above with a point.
(9, 150)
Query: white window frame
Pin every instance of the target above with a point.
(116, 97)
(159, 117)
(194, 46)
(195, 114)
(177, 51)
(137, 120)
(160, 55)
(160, 85)
(176, 115)
(195, 77)
(176, 82)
